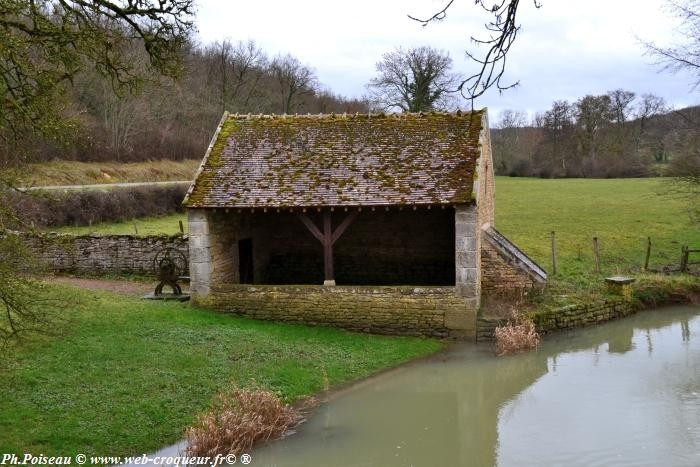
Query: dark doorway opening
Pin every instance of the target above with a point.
(245, 260)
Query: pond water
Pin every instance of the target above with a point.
(622, 393)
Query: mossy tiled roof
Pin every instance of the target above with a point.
(338, 160)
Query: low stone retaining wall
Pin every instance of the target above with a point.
(572, 316)
(100, 254)
(415, 311)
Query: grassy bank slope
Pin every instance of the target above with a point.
(126, 376)
(88, 173)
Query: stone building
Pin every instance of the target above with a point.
(379, 223)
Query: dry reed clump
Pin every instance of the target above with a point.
(504, 304)
(514, 337)
(239, 419)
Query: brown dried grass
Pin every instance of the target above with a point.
(504, 303)
(239, 419)
(514, 337)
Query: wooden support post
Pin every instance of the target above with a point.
(646, 258)
(554, 254)
(182, 228)
(596, 254)
(328, 237)
(329, 278)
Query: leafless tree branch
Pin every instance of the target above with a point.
(502, 33)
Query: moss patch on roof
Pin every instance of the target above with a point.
(331, 160)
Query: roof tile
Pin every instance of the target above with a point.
(329, 160)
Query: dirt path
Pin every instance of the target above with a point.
(118, 286)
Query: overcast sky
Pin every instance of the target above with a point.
(566, 48)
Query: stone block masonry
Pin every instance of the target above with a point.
(504, 267)
(574, 316)
(569, 317)
(100, 254)
(467, 258)
(500, 274)
(415, 311)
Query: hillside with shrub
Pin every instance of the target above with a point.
(166, 118)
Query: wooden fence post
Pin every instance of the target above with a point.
(646, 259)
(596, 254)
(182, 228)
(684, 258)
(554, 254)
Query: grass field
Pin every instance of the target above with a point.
(88, 173)
(143, 226)
(126, 376)
(622, 213)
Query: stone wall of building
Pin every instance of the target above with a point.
(199, 251)
(485, 184)
(470, 220)
(498, 274)
(100, 254)
(467, 257)
(418, 311)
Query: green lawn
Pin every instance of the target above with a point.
(622, 213)
(126, 376)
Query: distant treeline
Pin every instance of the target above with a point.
(174, 119)
(617, 134)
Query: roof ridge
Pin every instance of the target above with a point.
(332, 115)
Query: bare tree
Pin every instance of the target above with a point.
(502, 30)
(648, 106)
(621, 105)
(293, 79)
(326, 101)
(44, 46)
(593, 115)
(684, 55)
(555, 149)
(235, 70)
(46, 43)
(507, 138)
(413, 80)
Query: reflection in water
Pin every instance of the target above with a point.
(624, 393)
